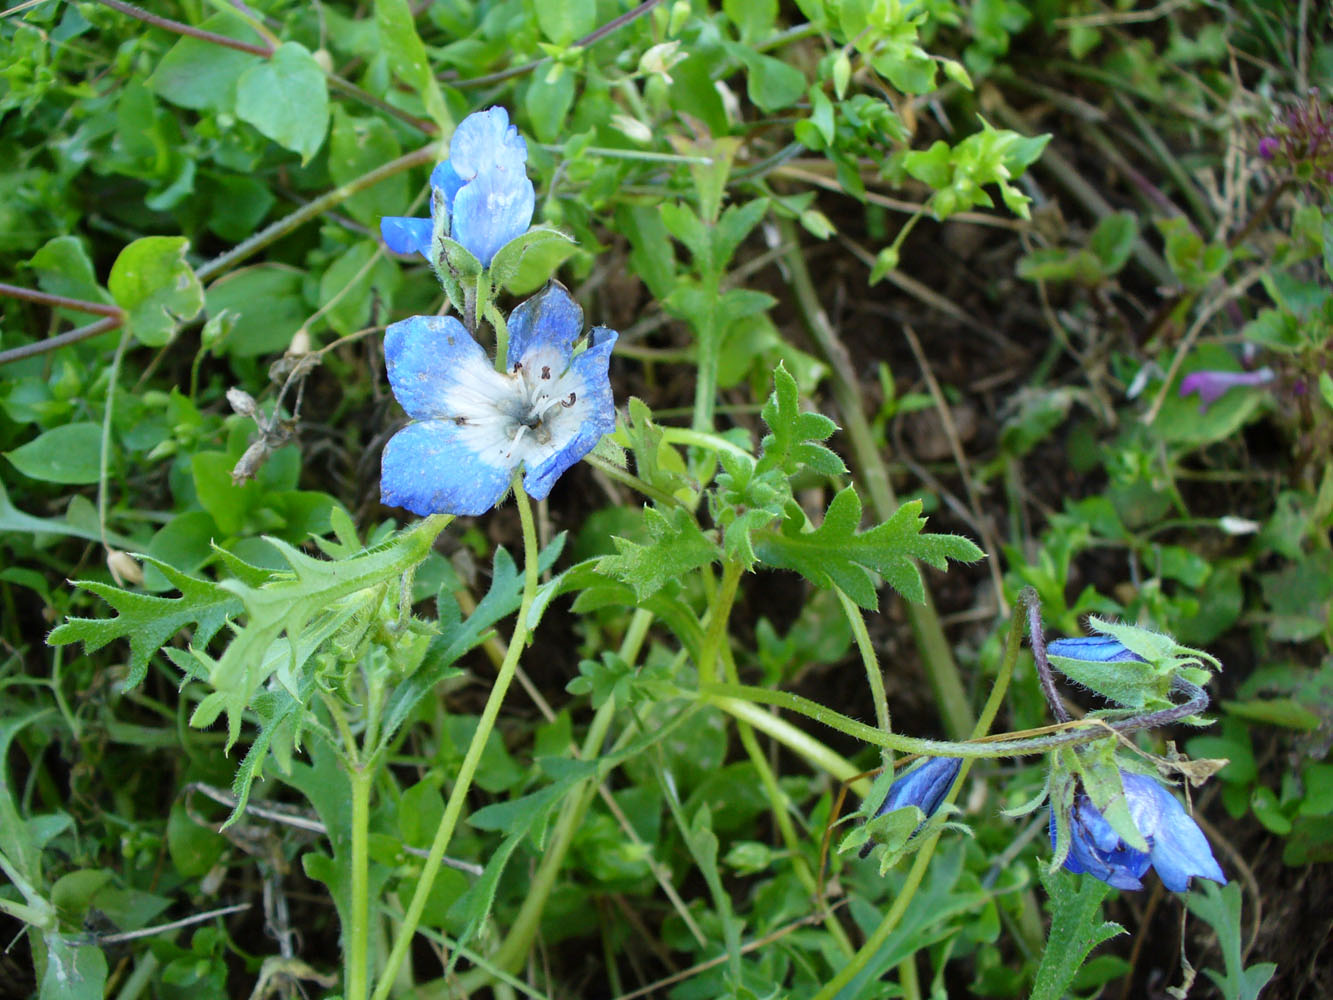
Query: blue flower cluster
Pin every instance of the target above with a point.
(1176, 848)
(474, 427)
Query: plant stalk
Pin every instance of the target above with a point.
(462, 785)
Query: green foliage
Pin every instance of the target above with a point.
(1219, 906)
(218, 198)
(1076, 929)
(837, 554)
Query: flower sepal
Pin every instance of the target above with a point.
(459, 270)
(1129, 665)
(508, 260)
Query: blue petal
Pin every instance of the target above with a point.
(924, 787)
(429, 358)
(1177, 846)
(550, 320)
(1095, 648)
(491, 210)
(591, 367)
(446, 180)
(486, 141)
(429, 468)
(1095, 848)
(404, 235)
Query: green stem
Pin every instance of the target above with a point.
(509, 956)
(705, 376)
(794, 739)
(454, 807)
(356, 970)
(519, 940)
(717, 622)
(936, 656)
(874, 676)
(876, 941)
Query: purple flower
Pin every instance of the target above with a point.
(482, 191)
(474, 427)
(1210, 385)
(1268, 147)
(1177, 848)
(924, 787)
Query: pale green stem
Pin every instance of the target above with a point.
(104, 459)
(705, 375)
(509, 956)
(874, 676)
(356, 979)
(38, 912)
(794, 739)
(877, 939)
(463, 783)
(778, 802)
(720, 614)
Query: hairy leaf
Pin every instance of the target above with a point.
(836, 554)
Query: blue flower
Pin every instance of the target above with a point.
(1094, 649)
(1177, 848)
(924, 787)
(482, 190)
(474, 426)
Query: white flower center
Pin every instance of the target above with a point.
(524, 415)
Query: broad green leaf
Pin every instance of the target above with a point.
(287, 99)
(357, 146)
(74, 971)
(70, 454)
(567, 21)
(754, 19)
(407, 55)
(356, 279)
(836, 554)
(62, 267)
(548, 99)
(269, 305)
(157, 288)
(1113, 241)
(202, 75)
(770, 83)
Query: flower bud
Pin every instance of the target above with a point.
(124, 568)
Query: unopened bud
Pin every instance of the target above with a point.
(632, 129)
(324, 59)
(300, 342)
(241, 401)
(124, 568)
(659, 59)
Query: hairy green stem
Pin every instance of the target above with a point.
(874, 676)
(717, 622)
(357, 959)
(463, 783)
(875, 942)
(936, 656)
